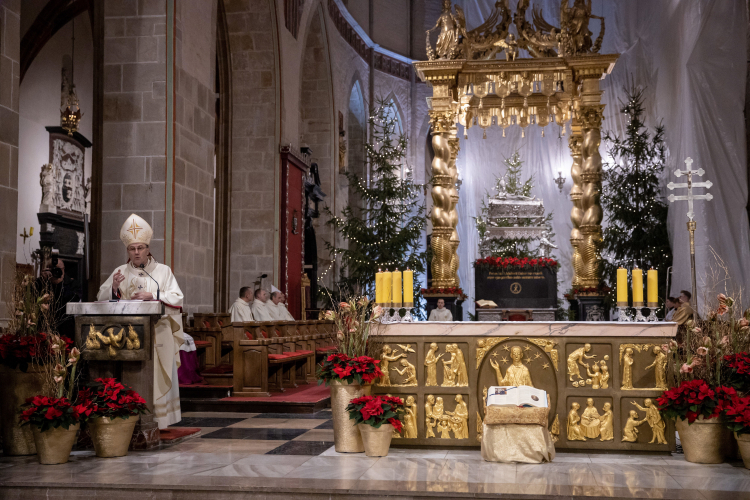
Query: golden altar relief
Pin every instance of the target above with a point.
(516, 374)
(111, 341)
(554, 429)
(549, 346)
(451, 363)
(484, 345)
(391, 360)
(410, 418)
(630, 353)
(445, 422)
(590, 423)
(654, 420)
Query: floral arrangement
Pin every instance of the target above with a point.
(109, 398)
(695, 398)
(516, 263)
(737, 368)
(360, 370)
(598, 290)
(21, 350)
(355, 325)
(737, 415)
(47, 413)
(445, 291)
(377, 410)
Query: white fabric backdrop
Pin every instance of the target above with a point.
(691, 57)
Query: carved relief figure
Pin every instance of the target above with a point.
(410, 418)
(430, 361)
(606, 429)
(596, 376)
(576, 358)
(47, 181)
(516, 374)
(444, 427)
(92, 340)
(459, 368)
(429, 420)
(409, 370)
(385, 358)
(604, 376)
(132, 341)
(653, 417)
(449, 375)
(630, 432)
(459, 419)
(627, 369)
(447, 42)
(660, 368)
(590, 420)
(575, 433)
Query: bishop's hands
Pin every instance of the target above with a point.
(143, 296)
(117, 280)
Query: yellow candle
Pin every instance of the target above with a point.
(396, 298)
(408, 287)
(652, 279)
(622, 285)
(637, 275)
(387, 287)
(379, 287)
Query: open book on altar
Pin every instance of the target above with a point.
(516, 396)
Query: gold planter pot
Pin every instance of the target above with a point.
(53, 446)
(376, 441)
(111, 437)
(346, 436)
(743, 442)
(704, 441)
(15, 388)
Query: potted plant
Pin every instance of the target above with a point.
(737, 415)
(377, 417)
(696, 408)
(350, 372)
(115, 411)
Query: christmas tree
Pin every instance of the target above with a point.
(636, 212)
(385, 222)
(509, 186)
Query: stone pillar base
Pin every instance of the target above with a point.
(146, 435)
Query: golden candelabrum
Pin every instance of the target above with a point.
(559, 84)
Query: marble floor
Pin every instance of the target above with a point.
(280, 456)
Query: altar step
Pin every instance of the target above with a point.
(307, 398)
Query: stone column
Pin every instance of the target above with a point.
(444, 199)
(576, 192)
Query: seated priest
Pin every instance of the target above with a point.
(241, 311)
(260, 309)
(137, 280)
(277, 308)
(441, 313)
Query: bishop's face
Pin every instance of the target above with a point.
(138, 254)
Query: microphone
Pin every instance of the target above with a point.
(143, 268)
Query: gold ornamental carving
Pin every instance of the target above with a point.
(554, 430)
(630, 432)
(479, 427)
(577, 358)
(627, 354)
(484, 345)
(516, 374)
(113, 342)
(445, 422)
(403, 368)
(654, 420)
(591, 116)
(410, 418)
(549, 347)
(576, 213)
(575, 432)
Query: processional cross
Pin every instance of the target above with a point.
(691, 225)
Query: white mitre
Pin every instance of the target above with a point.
(136, 230)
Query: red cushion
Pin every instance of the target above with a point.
(265, 335)
(206, 323)
(248, 335)
(278, 356)
(221, 323)
(302, 353)
(202, 344)
(327, 348)
(517, 317)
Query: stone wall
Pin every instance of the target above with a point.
(10, 45)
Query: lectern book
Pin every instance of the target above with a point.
(485, 304)
(516, 396)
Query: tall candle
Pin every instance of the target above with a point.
(379, 287)
(652, 279)
(387, 287)
(637, 275)
(622, 285)
(408, 287)
(396, 288)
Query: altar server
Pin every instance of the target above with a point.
(240, 310)
(260, 310)
(441, 313)
(277, 308)
(132, 281)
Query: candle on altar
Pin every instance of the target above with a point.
(396, 297)
(637, 275)
(408, 288)
(379, 287)
(652, 280)
(387, 287)
(622, 286)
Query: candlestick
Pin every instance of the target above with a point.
(396, 298)
(387, 288)
(408, 288)
(379, 287)
(637, 275)
(652, 280)
(622, 287)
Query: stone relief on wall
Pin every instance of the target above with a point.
(62, 181)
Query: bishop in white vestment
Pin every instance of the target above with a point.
(441, 313)
(278, 309)
(241, 311)
(260, 310)
(130, 281)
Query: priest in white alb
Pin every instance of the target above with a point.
(260, 310)
(278, 309)
(132, 281)
(441, 313)
(241, 311)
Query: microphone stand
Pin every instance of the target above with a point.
(143, 268)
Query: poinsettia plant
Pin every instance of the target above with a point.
(516, 263)
(109, 398)
(737, 415)
(20, 351)
(360, 370)
(737, 368)
(695, 398)
(47, 413)
(445, 291)
(377, 410)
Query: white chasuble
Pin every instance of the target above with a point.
(279, 312)
(261, 311)
(240, 311)
(168, 335)
(440, 315)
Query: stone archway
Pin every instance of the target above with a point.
(356, 136)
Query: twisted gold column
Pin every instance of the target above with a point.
(576, 193)
(444, 198)
(591, 177)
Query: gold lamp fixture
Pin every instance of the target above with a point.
(70, 111)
